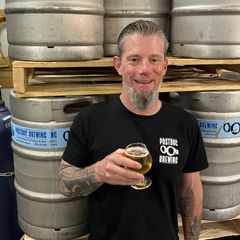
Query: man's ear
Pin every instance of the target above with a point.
(165, 66)
(117, 64)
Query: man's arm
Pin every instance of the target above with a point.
(191, 205)
(75, 181)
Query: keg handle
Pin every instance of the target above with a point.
(227, 74)
(6, 174)
(75, 107)
(70, 108)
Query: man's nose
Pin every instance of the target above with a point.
(145, 66)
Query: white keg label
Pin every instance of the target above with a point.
(218, 128)
(40, 137)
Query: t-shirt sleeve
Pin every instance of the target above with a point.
(197, 159)
(76, 151)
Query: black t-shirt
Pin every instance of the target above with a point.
(175, 143)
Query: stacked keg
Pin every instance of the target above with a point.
(218, 115)
(119, 14)
(209, 29)
(55, 30)
(75, 30)
(82, 30)
(40, 128)
(205, 29)
(49, 31)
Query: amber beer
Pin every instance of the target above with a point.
(140, 154)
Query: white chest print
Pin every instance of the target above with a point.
(168, 150)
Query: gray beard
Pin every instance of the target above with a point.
(142, 100)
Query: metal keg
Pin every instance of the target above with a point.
(119, 14)
(85, 237)
(55, 30)
(40, 128)
(205, 29)
(218, 116)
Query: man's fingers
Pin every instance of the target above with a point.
(125, 172)
(122, 176)
(116, 169)
(122, 160)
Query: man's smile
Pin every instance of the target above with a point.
(143, 81)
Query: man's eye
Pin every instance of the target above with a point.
(155, 60)
(134, 60)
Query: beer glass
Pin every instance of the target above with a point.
(139, 152)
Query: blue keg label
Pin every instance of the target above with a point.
(218, 128)
(40, 137)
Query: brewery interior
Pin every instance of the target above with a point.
(45, 68)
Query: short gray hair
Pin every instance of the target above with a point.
(145, 28)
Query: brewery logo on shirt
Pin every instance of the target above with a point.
(168, 150)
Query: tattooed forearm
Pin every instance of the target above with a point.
(75, 181)
(191, 223)
(187, 203)
(195, 228)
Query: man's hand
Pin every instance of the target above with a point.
(113, 170)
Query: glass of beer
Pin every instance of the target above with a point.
(139, 152)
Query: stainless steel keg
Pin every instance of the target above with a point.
(55, 30)
(40, 128)
(218, 115)
(205, 29)
(119, 14)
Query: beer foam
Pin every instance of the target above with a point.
(137, 152)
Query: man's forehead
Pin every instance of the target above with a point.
(142, 42)
(134, 38)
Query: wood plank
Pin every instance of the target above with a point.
(193, 61)
(6, 73)
(6, 78)
(70, 79)
(107, 62)
(103, 62)
(64, 89)
(199, 85)
(20, 79)
(6, 83)
(2, 15)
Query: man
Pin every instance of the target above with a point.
(94, 164)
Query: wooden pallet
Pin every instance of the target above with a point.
(2, 15)
(35, 79)
(6, 73)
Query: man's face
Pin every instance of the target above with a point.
(142, 65)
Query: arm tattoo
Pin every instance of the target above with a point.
(195, 228)
(77, 181)
(191, 223)
(187, 202)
